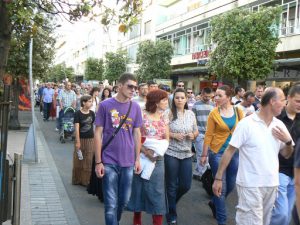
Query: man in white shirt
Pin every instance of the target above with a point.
(259, 138)
(141, 98)
(247, 104)
(239, 94)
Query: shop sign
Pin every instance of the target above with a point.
(285, 74)
(200, 55)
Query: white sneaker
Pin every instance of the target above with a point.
(56, 129)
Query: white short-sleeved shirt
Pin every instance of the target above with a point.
(258, 152)
(246, 110)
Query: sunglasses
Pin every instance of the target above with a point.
(180, 85)
(131, 86)
(190, 92)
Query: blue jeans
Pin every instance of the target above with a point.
(61, 115)
(116, 191)
(228, 181)
(285, 201)
(199, 169)
(178, 175)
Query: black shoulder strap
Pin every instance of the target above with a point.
(117, 130)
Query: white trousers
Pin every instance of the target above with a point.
(255, 205)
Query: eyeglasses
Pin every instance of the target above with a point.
(131, 86)
(190, 92)
(180, 85)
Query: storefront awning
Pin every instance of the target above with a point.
(190, 70)
(287, 62)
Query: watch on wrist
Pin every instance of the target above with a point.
(288, 143)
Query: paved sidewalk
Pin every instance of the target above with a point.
(44, 200)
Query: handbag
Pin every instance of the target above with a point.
(207, 180)
(117, 130)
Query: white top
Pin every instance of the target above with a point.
(234, 99)
(258, 152)
(246, 110)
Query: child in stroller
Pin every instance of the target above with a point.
(67, 125)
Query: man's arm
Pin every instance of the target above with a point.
(297, 188)
(217, 186)
(99, 167)
(137, 143)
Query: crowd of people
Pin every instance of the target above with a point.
(134, 147)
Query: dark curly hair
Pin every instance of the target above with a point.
(153, 98)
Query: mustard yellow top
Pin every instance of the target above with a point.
(217, 130)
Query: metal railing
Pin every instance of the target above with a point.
(10, 173)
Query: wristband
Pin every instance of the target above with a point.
(97, 163)
(218, 179)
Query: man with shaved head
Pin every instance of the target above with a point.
(259, 138)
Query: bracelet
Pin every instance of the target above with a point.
(97, 163)
(218, 179)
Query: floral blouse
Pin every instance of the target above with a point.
(183, 124)
(154, 129)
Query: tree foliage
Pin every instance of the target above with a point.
(94, 69)
(26, 16)
(154, 60)
(115, 64)
(42, 54)
(245, 43)
(60, 72)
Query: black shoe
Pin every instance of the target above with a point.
(213, 208)
(196, 177)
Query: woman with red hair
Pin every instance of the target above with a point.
(148, 191)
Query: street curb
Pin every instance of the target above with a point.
(70, 213)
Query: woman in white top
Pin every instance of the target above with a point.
(95, 93)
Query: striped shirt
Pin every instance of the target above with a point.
(202, 111)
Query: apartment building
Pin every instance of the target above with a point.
(186, 24)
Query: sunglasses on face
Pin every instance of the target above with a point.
(131, 86)
(190, 92)
(180, 85)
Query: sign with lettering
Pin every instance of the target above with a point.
(200, 55)
(285, 74)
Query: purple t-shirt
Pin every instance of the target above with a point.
(121, 150)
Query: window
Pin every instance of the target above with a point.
(135, 31)
(132, 51)
(147, 27)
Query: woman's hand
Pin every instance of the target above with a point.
(179, 136)
(77, 145)
(203, 160)
(190, 136)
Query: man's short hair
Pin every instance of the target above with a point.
(100, 82)
(206, 90)
(295, 89)
(126, 77)
(237, 89)
(142, 85)
(151, 82)
(248, 94)
(269, 94)
(179, 81)
(189, 89)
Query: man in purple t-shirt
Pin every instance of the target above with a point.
(117, 162)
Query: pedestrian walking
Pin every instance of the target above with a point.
(84, 142)
(239, 94)
(201, 109)
(141, 98)
(94, 93)
(178, 158)
(78, 98)
(54, 102)
(155, 126)
(106, 93)
(47, 101)
(221, 124)
(259, 91)
(119, 119)
(259, 138)
(247, 104)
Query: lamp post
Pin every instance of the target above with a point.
(30, 150)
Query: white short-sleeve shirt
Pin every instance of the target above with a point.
(258, 152)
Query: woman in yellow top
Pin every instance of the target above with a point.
(221, 123)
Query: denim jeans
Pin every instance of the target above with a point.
(47, 107)
(61, 115)
(178, 174)
(281, 214)
(116, 191)
(199, 169)
(228, 181)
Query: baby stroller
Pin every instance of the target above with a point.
(67, 125)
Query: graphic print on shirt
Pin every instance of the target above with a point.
(86, 124)
(116, 119)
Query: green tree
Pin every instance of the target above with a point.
(25, 16)
(60, 72)
(245, 43)
(94, 69)
(154, 60)
(115, 64)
